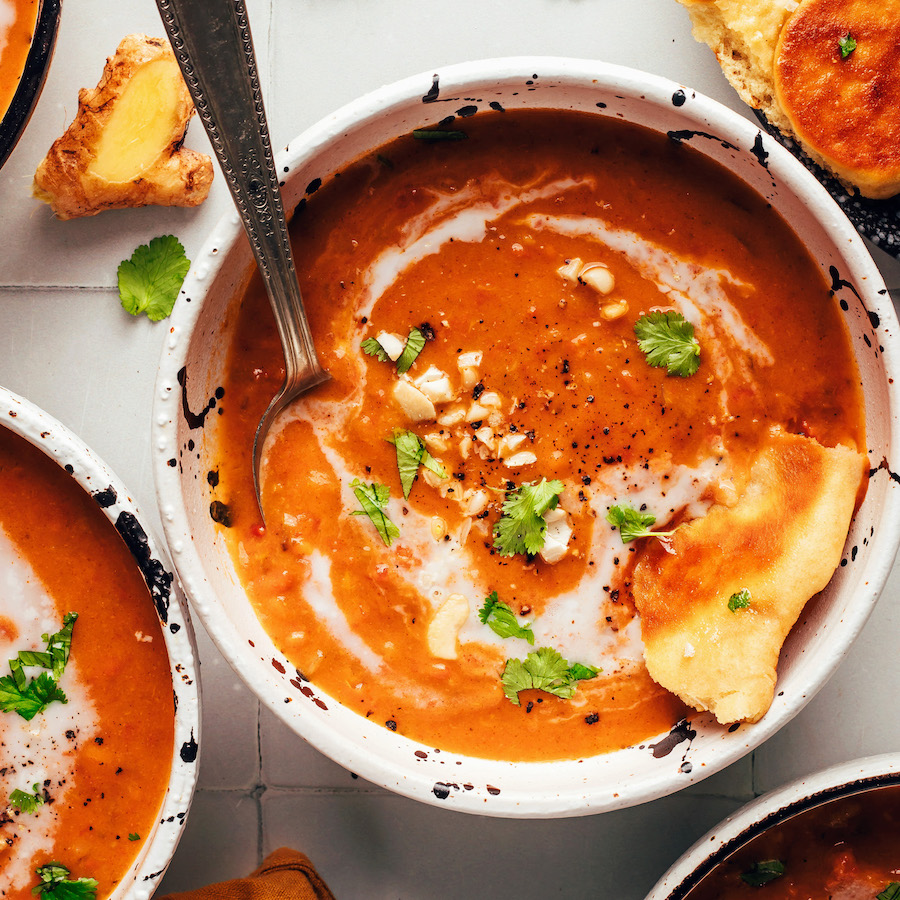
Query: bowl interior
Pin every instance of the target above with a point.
(189, 395)
(64, 448)
(37, 64)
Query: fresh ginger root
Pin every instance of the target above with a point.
(124, 147)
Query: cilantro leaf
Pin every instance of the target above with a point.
(133, 836)
(415, 342)
(761, 873)
(740, 600)
(498, 616)
(667, 339)
(55, 884)
(59, 645)
(373, 500)
(371, 347)
(891, 892)
(28, 698)
(149, 281)
(580, 672)
(25, 802)
(546, 670)
(521, 528)
(633, 523)
(411, 453)
(847, 45)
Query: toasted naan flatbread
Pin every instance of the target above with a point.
(781, 541)
(784, 58)
(847, 109)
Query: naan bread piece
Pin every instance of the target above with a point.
(783, 58)
(743, 35)
(846, 109)
(781, 541)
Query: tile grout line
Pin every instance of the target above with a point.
(260, 787)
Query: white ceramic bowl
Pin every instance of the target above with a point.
(842, 780)
(70, 453)
(190, 375)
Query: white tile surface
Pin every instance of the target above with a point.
(288, 761)
(66, 344)
(221, 841)
(854, 715)
(378, 846)
(230, 753)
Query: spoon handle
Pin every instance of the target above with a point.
(213, 45)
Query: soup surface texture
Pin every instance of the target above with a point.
(17, 19)
(844, 850)
(518, 261)
(101, 761)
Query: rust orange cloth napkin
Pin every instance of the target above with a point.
(285, 875)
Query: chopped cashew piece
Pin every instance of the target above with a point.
(517, 460)
(413, 402)
(491, 399)
(509, 442)
(598, 277)
(470, 359)
(435, 385)
(438, 527)
(469, 377)
(468, 367)
(614, 310)
(571, 269)
(452, 416)
(486, 436)
(474, 502)
(557, 535)
(435, 442)
(432, 373)
(443, 630)
(476, 412)
(392, 344)
(595, 275)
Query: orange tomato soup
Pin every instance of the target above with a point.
(17, 21)
(101, 762)
(531, 373)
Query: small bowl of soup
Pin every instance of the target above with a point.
(830, 834)
(598, 493)
(27, 37)
(99, 698)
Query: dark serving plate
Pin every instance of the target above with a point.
(37, 63)
(878, 220)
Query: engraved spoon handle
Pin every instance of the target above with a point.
(213, 45)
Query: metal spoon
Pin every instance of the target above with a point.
(214, 47)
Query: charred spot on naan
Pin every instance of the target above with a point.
(781, 542)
